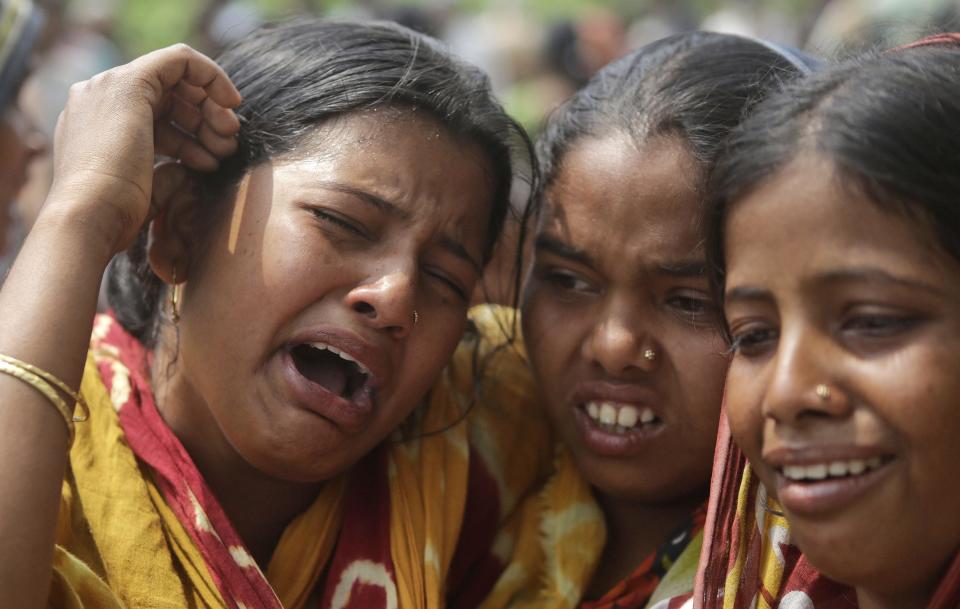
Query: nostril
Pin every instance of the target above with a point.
(365, 308)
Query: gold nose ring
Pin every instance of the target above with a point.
(649, 355)
(823, 392)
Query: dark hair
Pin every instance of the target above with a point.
(890, 125)
(697, 85)
(296, 74)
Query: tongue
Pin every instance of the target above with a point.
(324, 370)
(331, 378)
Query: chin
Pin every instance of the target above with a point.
(303, 462)
(845, 554)
(303, 471)
(646, 485)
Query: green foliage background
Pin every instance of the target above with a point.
(144, 25)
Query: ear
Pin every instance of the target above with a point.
(175, 196)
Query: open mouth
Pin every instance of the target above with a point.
(617, 418)
(833, 470)
(331, 369)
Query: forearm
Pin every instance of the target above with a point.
(47, 306)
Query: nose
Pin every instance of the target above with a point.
(803, 381)
(618, 343)
(386, 301)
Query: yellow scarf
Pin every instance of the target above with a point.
(555, 559)
(120, 545)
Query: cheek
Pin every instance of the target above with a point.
(550, 331)
(743, 410)
(701, 369)
(700, 362)
(437, 344)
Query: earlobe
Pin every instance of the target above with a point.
(174, 197)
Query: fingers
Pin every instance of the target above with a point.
(224, 123)
(166, 68)
(192, 99)
(174, 143)
(212, 128)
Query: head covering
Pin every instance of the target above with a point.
(21, 23)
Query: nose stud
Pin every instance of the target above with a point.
(823, 392)
(416, 317)
(649, 355)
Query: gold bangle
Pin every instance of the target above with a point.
(45, 388)
(56, 382)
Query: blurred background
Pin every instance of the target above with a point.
(536, 51)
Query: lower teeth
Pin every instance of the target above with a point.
(621, 429)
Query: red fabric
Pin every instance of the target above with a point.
(180, 481)
(952, 38)
(474, 568)
(363, 545)
(635, 590)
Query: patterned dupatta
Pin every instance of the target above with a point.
(555, 558)
(637, 588)
(386, 535)
(748, 559)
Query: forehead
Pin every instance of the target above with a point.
(614, 196)
(404, 157)
(804, 223)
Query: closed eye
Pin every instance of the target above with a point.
(444, 279)
(339, 221)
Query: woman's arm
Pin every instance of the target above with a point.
(104, 151)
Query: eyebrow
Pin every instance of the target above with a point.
(456, 248)
(446, 242)
(556, 247)
(746, 294)
(861, 275)
(687, 268)
(367, 197)
(873, 275)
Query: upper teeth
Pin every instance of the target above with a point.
(621, 417)
(834, 469)
(343, 355)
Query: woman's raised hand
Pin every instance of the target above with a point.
(174, 102)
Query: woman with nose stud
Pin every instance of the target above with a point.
(620, 327)
(266, 419)
(835, 233)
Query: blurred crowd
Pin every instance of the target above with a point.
(535, 53)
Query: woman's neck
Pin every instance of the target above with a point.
(916, 598)
(259, 506)
(634, 531)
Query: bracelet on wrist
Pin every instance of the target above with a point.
(48, 385)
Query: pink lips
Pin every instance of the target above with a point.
(611, 444)
(349, 415)
(812, 498)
